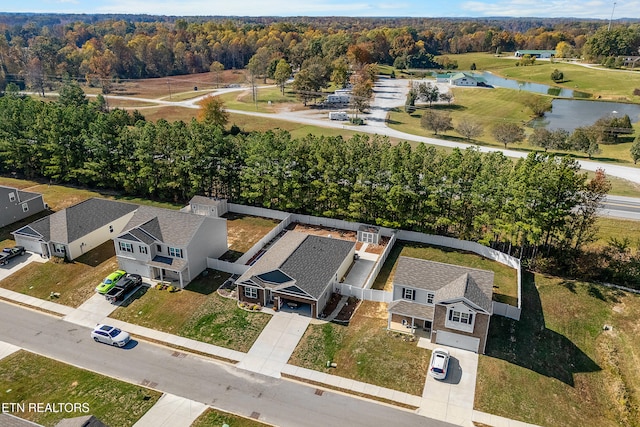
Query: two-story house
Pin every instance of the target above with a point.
(17, 204)
(452, 304)
(163, 244)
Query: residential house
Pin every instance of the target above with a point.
(77, 229)
(164, 244)
(299, 270)
(16, 205)
(450, 303)
(536, 53)
(443, 77)
(210, 206)
(464, 79)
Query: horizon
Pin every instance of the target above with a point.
(460, 9)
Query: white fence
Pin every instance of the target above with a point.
(228, 267)
(363, 294)
(244, 259)
(412, 236)
(380, 262)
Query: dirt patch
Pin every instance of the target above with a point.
(379, 248)
(347, 311)
(318, 230)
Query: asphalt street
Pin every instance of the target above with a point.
(621, 207)
(275, 401)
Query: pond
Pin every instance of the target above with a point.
(494, 80)
(569, 114)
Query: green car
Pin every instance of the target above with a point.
(110, 281)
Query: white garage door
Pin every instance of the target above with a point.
(31, 245)
(133, 267)
(457, 341)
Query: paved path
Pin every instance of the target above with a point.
(92, 311)
(172, 411)
(273, 348)
(7, 349)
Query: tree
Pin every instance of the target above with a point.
(212, 111)
(282, 74)
(436, 121)
(563, 50)
(340, 73)
(71, 94)
(470, 129)
(473, 66)
(635, 150)
(585, 140)
(446, 97)
(216, 68)
(428, 92)
(508, 133)
(557, 76)
(538, 105)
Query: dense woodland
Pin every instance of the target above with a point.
(38, 50)
(539, 208)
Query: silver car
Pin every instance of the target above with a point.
(439, 363)
(110, 335)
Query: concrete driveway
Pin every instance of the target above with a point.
(451, 399)
(19, 262)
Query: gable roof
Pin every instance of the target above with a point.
(21, 195)
(447, 281)
(310, 260)
(76, 221)
(150, 224)
(208, 201)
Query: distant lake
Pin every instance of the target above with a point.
(569, 114)
(494, 80)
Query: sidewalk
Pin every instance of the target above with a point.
(172, 411)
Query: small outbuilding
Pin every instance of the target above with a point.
(208, 206)
(369, 234)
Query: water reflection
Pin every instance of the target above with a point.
(569, 114)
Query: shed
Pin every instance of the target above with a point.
(369, 234)
(208, 206)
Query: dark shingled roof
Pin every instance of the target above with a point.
(310, 260)
(165, 225)
(76, 221)
(446, 281)
(9, 420)
(413, 309)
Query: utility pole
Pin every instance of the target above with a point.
(611, 18)
(169, 83)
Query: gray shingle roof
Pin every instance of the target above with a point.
(76, 221)
(310, 260)
(446, 280)
(202, 200)
(412, 309)
(166, 225)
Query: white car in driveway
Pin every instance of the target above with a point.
(110, 335)
(439, 363)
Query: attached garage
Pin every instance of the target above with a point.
(31, 244)
(133, 267)
(458, 341)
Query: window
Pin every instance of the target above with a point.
(175, 252)
(126, 247)
(143, 249)
(159, 248)
(12, 197)
(430, 297)
(25, 207)
(408, 294)
(250, 292)
(465, 318)
(460, 317)
(59, 248)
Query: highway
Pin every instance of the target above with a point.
(621, 207)
(276, 401)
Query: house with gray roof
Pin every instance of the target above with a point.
(77, 229)
(167, 245)
(452, 304)
(16, 205)
(298, 270)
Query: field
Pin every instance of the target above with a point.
(365, 351)
(244, 231)
(211, 417)
(26, 377)
(74, 281)
(197, 312)
(557, 366)
(505, 286)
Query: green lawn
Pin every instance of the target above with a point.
(617, 228)
(75, 281)
(244, 231)
(505, 286)
(268, 99)
(29, 378)
(365, 351)
(211, 418)
(557, 366)
(196, 312)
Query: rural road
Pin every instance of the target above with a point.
(279, 402)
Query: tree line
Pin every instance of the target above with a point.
(40, 50)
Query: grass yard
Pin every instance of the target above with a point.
(505, 287)
(197, 312)
(365, 351)
(557, 366)
(26, 377)
(211, 418)
(269, 99)
(244, 231)
(617, 228)
(619, 186)
(75, 281)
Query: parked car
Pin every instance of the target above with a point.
(8, 253)
(110, 281)
(124, 286)
(110, 335)
(439, 363)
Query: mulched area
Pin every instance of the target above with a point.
(347, 311)
(331, 305)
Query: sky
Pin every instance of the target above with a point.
(599, 9)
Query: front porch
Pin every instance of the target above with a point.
(412, 318)
(170, 269)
